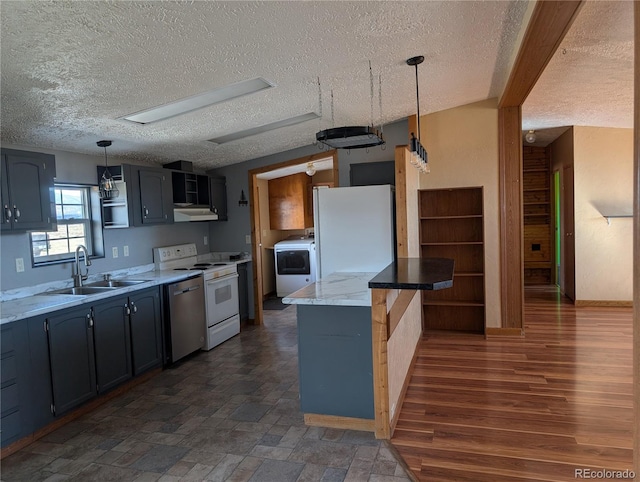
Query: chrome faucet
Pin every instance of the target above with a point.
(77, 275)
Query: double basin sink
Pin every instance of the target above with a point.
(97, 287)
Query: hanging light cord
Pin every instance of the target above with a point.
(418, 101)
(380, 99)
(371, 82)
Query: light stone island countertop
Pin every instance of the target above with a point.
(33, 301)
(337, 289)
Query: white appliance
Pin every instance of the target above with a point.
(221, 319)
(295, 264)
(221, 301)
(354, 228)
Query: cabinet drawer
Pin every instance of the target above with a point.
(11, 426)
(9, 397)
(7, 369)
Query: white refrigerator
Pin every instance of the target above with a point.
(354, 228)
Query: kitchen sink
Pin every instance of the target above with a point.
(82, 290)
(116, 283)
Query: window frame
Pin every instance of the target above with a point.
(93, 225)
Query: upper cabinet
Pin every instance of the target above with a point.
(145, 197)
(156, 196)
(190, 188)
(290, 202)
(218, 196)
(28, 202)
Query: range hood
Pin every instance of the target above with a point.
(184, 214)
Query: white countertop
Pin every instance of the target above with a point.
(33, 301)
(337, 289)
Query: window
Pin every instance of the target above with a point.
(75, 226)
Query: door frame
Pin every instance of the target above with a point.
(256, 229)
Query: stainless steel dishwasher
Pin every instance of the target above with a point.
(186, 317)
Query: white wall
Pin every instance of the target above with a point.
(463, 152)
(603, 181)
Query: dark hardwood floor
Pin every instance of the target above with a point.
(537, 408)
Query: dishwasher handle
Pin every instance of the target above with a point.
(186, 290)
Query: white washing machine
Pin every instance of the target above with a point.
(295, 263)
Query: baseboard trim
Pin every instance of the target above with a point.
(79, 412)
(607, 303)
(500, 332)
(334, 421)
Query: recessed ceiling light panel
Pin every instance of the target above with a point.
(265, 128)
(198, 101)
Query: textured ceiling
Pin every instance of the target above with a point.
(589, 81)
(70, 70)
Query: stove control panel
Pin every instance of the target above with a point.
(172, 253)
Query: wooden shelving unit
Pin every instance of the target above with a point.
(452, 226)
(538, 217)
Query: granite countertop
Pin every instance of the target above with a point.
(416, 274)
(337, 289)
(33, 301)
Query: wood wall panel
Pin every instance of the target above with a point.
(636, 239)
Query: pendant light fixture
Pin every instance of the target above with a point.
(351, 137)
(108, 189)
(419, 158)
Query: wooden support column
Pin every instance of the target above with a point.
(380, 363)
(511, 252)
(548, 25)
(636, 242)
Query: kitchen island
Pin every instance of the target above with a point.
(339, 340)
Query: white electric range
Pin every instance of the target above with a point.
(220, 289)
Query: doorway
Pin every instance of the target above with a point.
(262, 237)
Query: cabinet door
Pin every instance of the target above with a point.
(243, 291)
(29, 194)
(146, 326)
(14, 365)
(40, 396)
(73, 371)
(155, 196)
(112, 342)
(219, 197)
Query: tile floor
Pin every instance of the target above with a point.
(228, 414)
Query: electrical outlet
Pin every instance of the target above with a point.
(114, 252)
(19, 265)
(125, 250)
(206, 240)
(247, 239)
(265, 232)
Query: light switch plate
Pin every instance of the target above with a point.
(247, 239)
(206, 240)
(19, 265)
(125, 250)
(114, 252)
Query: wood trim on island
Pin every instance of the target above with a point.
(334, 421)
(380, 363)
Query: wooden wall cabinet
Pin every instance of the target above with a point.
(452, 226)
(538, 218)
(291, 202)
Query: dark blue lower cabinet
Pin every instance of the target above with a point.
(335, 360)
(14, 361)
(72, 358)
(146, 329)
(112, 341)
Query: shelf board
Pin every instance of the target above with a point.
(537, 203)
(467, 274)
(465, 216)
(537, 169)
(537, 214)
(452, 303)
(113, 205)
(539, 189)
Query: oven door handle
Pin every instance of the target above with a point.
(222, 278)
